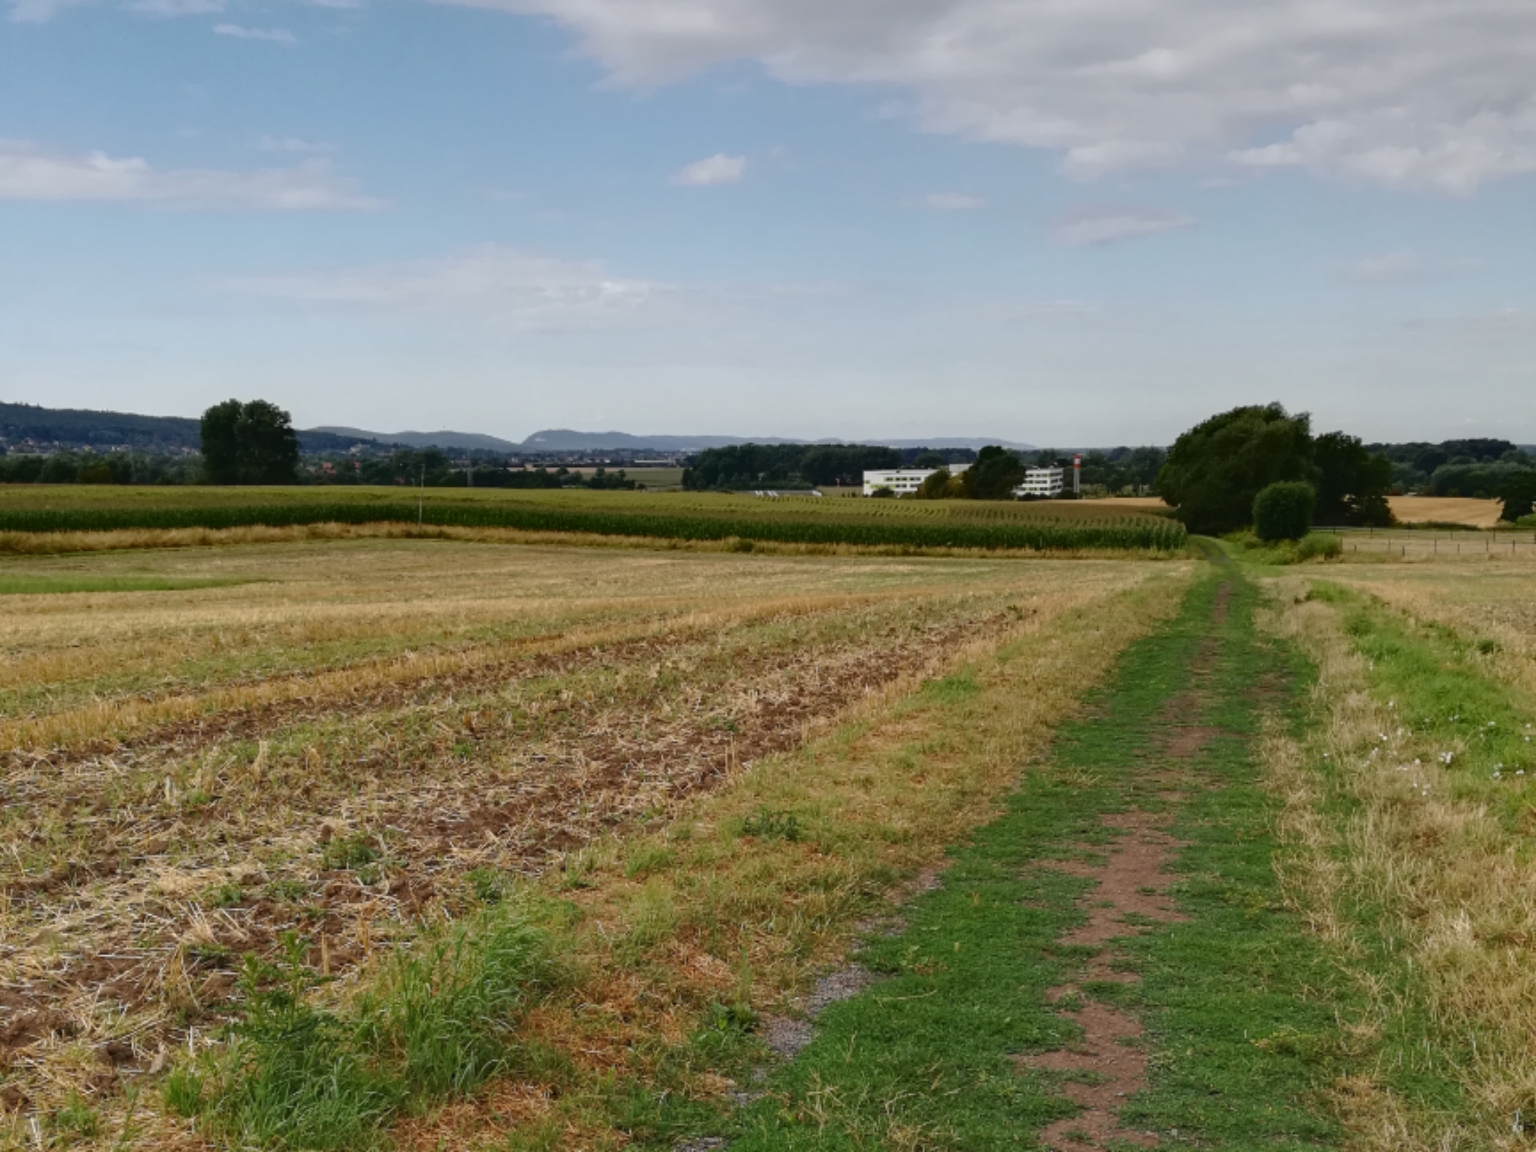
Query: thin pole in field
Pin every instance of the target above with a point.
(421, 493)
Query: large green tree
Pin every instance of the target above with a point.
(1519, 495)
(1351, 483)
(1216, 469)
(994, 475)
(250, 443)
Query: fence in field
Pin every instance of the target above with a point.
(1137, 533)
(1419, 543)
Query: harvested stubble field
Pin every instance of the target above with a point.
(1438, 545)
(353, 740)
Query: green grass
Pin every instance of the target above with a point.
(1438, 684)
(17, 585)
(439, 1022)
(1240, 1006)
(675, 516)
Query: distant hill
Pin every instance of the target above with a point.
(29, 425)
(464, 440)
(570, 440)
(567, 440)
(82, 428)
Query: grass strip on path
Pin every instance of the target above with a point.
(1238, 1003)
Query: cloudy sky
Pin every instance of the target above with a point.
(1084, 222)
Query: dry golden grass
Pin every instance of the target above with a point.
(1455, 890)
(187, 783)
(1445, 510)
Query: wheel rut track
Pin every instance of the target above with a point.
(1129, 897)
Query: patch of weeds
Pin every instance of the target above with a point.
(490, 885)
(226, 895)
(463, 750)
(351, 852)
(730, 1019)
(286, 891)
(647, 857)
(949, 689)
(195, 800)
(440, 1022)
(773, 824)
(182, 1092)
(209, 955)
(74, 1121)
(576, 871)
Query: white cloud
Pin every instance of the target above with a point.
(953, 201)
(274, 35)
(1391, 268)
(293, 144)
(504, 286)
(29, 173)
(39, 11)
(716, 169)
(1094, 227)
(176, 7)
(1435, 94)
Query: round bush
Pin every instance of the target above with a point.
(1284, 511)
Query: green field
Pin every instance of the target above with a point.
(679, 516)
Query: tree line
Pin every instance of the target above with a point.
(748, 466)
(1217, 471)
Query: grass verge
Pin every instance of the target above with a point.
(1412, 816)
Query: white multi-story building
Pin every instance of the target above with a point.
(904, 481)
(1042, 482)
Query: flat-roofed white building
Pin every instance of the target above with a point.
(1042, 482)
(904, 481)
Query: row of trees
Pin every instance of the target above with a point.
(738, 466)
(1217, 469)
(90, 468)
(1453, 467)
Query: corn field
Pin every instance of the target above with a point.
(875, 525)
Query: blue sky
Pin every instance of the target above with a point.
(1085, 223)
